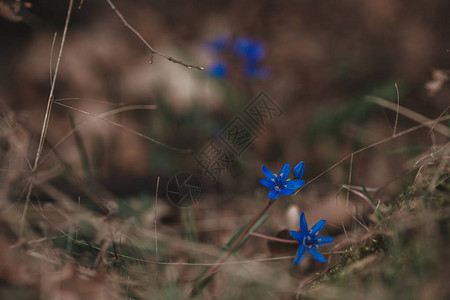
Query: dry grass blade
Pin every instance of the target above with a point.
(358, 193)
(437, 120)
(47, 113)
(103, 117)
(53, 81)
(156, 219)
(85, 99)
(396, 112)
(411, 115)
(409, 130)
(123, 109)
(349, 178)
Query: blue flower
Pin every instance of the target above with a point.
(250, 49)
(280, 184)
(218, 69)
(310, 240)
(298, 170)
(219, 44)
(253, 70)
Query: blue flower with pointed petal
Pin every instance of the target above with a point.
(310, 240)
(299, 169)
(280, 184)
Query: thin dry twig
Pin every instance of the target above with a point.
(439, 171)
(349, 178)
(47, 114)
(77, 218)
(51, 57)
(50, 97)
(398, 107)
(81, 4)
(85, 99)
(360, 223)
(104, 245)
(271, 238)
(437, 120)
(346, 235)
(103, 117)
(118, 110)
(358, 193)
(410, 114)
(152, 50)
(156, 219)
(409, 130)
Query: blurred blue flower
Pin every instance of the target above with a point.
(298, 170)
(218, 69)
(280, 184)
(310, 240)
(253, 70)
(219, 44)
(250, 49)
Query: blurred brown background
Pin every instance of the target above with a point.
(323, 57)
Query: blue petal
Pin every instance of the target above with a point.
(273, 194)
(286, 192)
(256, 52)
(284, 172)
(301, 252)
(218, 70)
(294, 184)
(218, 44)
(269, 174)
(242, 45)
(253, 70)
(250, 49)
(318, 227)
(324, 240)
(317, 255)
(298, 170)
(298, 236)
(303, 224)
(267, 183)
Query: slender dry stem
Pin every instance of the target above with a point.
(437, 120)
(122, 109)
(156, 219)
(398, 107)
(47, 115)
(349, 178)
(411, 115)
(271, 238)
(152, 50)
(409, 130)
(227, 253)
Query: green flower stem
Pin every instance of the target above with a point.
(227, 253)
